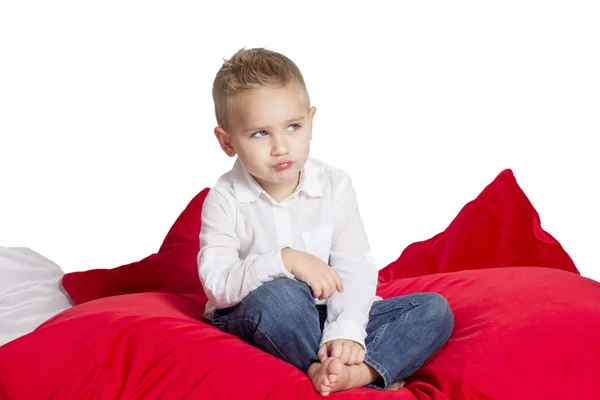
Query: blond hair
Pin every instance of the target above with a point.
(248, 70)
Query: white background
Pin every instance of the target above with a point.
(106, 114)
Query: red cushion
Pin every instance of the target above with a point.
(520, 333)
(173, 269)
(500, 228)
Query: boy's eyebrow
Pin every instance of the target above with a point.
(263, 128)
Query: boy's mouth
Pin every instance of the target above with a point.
(283, 165)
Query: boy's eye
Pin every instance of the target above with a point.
(290, 128)
(259, 134)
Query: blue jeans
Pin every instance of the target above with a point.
(281, 318)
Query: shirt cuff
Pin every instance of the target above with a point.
(274, 267)
(344, 329)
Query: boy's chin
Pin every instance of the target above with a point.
(282, 178)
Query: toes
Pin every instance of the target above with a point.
(327, 377)
(324, 390)
(334, 366)
(332, 378)
(396, 385)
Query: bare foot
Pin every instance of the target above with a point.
(333, 376)
(395, 386)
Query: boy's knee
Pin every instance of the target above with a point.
(285, 288)
(283, 297)
(438, 309)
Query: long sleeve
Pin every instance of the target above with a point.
(348, 312)
(226, 278)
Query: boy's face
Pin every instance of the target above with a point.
(270, 131)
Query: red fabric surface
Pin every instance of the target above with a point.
(500, 228)
(173, 269)
(520, 333)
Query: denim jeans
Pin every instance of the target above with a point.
(281, 318)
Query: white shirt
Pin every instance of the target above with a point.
(244, 230)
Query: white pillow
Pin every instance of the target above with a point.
(30, 292)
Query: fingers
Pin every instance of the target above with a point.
(329, 283)
(316, 287)
(334, 280)
(336, 349)
(322, 354)
(350, 353)
(361, 356)
(321, 288)
(346, 353)
(322, 279)
(327, 288)
(353, 353)
(338, 281)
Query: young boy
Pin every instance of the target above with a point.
(284, 259)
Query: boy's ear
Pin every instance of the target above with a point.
(311, 115)
(225, 141)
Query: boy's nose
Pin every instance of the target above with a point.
(278, 146)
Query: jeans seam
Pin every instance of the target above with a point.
(238, 320)
(380, 369)
(381, 331)
(409, 307)
(404, 315)
(377, 337)
(413, 303)
(276, 347)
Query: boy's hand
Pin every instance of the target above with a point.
(320, 277)
(348, 351)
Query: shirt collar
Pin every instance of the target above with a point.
(247, 189)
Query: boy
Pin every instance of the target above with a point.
(284, 259)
